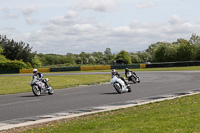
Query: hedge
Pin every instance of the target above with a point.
(12, 65)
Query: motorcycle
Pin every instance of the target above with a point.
(131, 76)
(119, 85)
(39, 87)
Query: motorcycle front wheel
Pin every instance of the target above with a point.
(118, 87)
(133, 79)
(36, 90)
(50, 90)
(138, 80)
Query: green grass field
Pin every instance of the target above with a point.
(21, 84)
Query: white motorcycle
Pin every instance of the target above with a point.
(39, 87)
(119, 85)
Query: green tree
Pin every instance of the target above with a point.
(85, 57)
(196, 52)
(79, 60)
(165, 52)
(16, 50)
(144, 56)
(92, 60)
(159, 53)
(107, 51)
(180, 41)
(36, 62)
(195, 39)
(98, 57)
(195, 44)
(123, 55)
(184, 52)
(2, 58)
(135, 58)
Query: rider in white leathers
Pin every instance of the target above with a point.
(115, 73)
(39, 76)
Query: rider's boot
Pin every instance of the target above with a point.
(127, 84)
(47, 86)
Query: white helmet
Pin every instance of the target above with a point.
(113, 71)
(35, 70)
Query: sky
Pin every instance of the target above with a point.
(75, 26)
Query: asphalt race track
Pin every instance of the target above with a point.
(17, 106)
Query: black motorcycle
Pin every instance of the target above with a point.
(131, 76)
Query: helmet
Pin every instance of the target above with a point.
(35, 70)
(126, 69)
(113, 71)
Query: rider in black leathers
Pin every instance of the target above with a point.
(134, 74)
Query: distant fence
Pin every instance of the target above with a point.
(173, 64)
(125, 66)
(9, 71)
(31, 70)
(107, 67)
(86, 68)
(64, 69)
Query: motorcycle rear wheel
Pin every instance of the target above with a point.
(129, 89)
(118, 87)
(36, 90)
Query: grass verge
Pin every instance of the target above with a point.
(21, 84)
(190, 68)
(180, 115)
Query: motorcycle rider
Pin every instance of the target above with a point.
(115, 73)
(40, 77)
(127, 71)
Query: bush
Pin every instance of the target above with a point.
(12, 65)
(123, 55)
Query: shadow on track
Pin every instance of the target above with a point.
(32, 96)
(109, 93)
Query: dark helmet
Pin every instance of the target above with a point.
(126, 69)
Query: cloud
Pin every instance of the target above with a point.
(97, 5)
(93, 25)
(175, 20)
(29, 10)
(146, 5)
(10, 13)
(70, 18)
(6, 30)
(180, 28)
(67, 33)
(30, 20)
(74, 33)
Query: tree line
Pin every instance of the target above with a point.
(180, 50)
